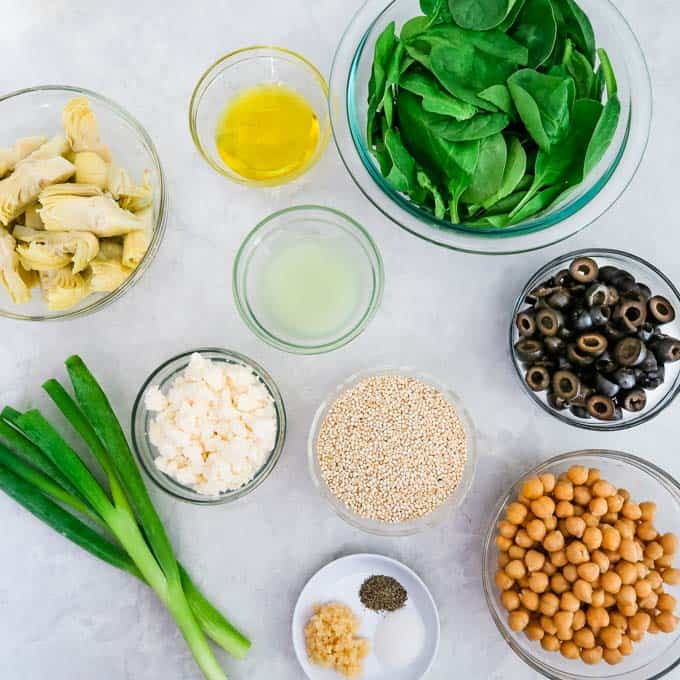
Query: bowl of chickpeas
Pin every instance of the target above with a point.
(580, 569)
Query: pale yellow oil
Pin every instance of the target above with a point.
(267, 132)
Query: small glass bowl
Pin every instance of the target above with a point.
(644, 272)
(37, 111)
(302, 224)
(410, 527)
(655, 656)
(146, 452)
(241, 70)
(350, 76)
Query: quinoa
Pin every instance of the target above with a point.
(392, 448)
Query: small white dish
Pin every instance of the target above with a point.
(340, 581)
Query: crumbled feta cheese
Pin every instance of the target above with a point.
(215, 426)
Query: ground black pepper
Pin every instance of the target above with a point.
(382, 594)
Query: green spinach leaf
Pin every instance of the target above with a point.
(512, 15)
(437, 11)
(603, 134)
(494, 42)
(579, 68)
(439, 206)
(435, 98)
(488, 175)
(578, 28)
(515, 170)
(479, 126)
(479, 15)
(536, 28)
(403, 176)
(385, 46)
(608, 73)
(499, 96)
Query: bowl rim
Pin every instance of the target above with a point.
(161, 218)
(373, 256)
(205, 81)
(479, 238)
(661, 476)
(176, 489)
(645, 416)
(411, 527)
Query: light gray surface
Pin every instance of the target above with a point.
(64, 616)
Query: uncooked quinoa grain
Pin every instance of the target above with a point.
(392, 448)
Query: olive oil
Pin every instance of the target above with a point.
(267, 132)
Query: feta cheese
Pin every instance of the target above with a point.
(215, 426)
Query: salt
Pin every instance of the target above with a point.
(399, 638)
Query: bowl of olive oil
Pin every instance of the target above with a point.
(259, 116)
(308, 279)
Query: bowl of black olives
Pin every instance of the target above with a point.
(595, 339)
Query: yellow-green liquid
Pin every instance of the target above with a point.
(267, 132)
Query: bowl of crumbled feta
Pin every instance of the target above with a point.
(208, 426)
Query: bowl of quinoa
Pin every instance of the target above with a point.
(392, 451)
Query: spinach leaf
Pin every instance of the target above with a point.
(488, 175)
(536, 28)
(544, 104)
(403, 176)
(542, 200)
(414, 27)
(579, 68)
(507, 204)
(608, 73)
(437, 11)
(479, 126)
(515, 170)
(438, 200)
(598, 85)
(386, 103)
(385, 46)
(603, 134)
(494, 42)
(578, 28)
(435, 98)
(512, 15)
(499, 96)
(479, 15)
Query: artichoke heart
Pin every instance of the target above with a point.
(91, 168)
(11, 274)
(82, 131)
(110, 249)
(57, 146)
(31, 217)
(29, 178)
(17, 152)
(130, 196)
(136, 243)
(83, 210)
(107, 275)
(45, 250)
(62, 288)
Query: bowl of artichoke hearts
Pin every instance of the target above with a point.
(82, 202)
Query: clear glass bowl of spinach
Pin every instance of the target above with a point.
(547, 128)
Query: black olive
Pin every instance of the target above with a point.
(606, 366)
(666, 349)
(563, 364)
(592, 343)
(625, 378)
(582, 396)
(566, 385)
(623, 281)
(612, 332)
(584, 270)
(600, 315)
(526, 323)
(630, 352)
(549, 321)
(601, 407)
(649, 363)
(653, 379)
(546, 362)
(639, 292)
(634, 400)
(562, 278)
(606, 386)
(556, 402)
(661, 309)
(555, 345)
(597, 295)
(529, 350)
(565, 333)
(543, 291)
(646, 332)
(538, 378)
(631, 314)
(560, 299)
(576, 356)
(607, 273)
(582, 320)
(580, 412)
(612, 296)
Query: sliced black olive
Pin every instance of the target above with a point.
(606, 366)
(592, 343)
(646, 332)
(653, 379)
(630, 352)
(625, 378)
(606, 386)
(597, 295)
(666, 349)
(563, 364)
(576, 356)
(600, 315)
(543, 291)
(607, 273)
(613, 332)
(556, 402)
(649, 363)
(566, 385)
(582, 320)
(584, 270)
(555, 345)
(528, 350)
(526, 323)
(538, 378)
(562, 278)
(549, 321)
(580, 412)
(634, 400)
(565, 333)
(661, 309)
(639, 292)
(631, 314)
(560, 299)
(623, 281)
(612, 296)
(601, 407)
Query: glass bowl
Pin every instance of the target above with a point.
(295, 228)
(410, 527)
(644, 272)
(349, 87)
(37, 111)
(146, 452)
(656, 655)
(245, 68)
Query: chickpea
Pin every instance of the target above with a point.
(534, 632)
(666, 622)
(523, 540)
(532, 488)
(653, 550)
(627, 573)
(671, 577)
(650, 602)
(611, 538)
(583, 591)
(610, 637)
(598, 597)
(578, 511)
(575, 526)
(550, 643)
(643, 589)
(538, 582)
(640, 621)
(577, 553)
(603, 489)
(597, 617)
(564, 491)
(510, 600)
(518, 620)
(642, 570)
(577, 474)
(592, 537)
(648, 510)
(601, 560)
(628, 610)
(626, 647)
(503, 559)
(666, 603)
(598, 507)
(534, 560)
(569, 650)
(615, 503)
(536, 530)
(635, 635)
(549, 568)
(516, 553)
(629, 550)
(612, 556)
(609, 600)
(646, 531)
(579, 620)
(503, 543)
(588, 571)
(559, 584)
(553, 542)
(548, 482)
(550, 523)
(653, 628)
(609, 518)
(503, 581)
(590, 519)
(515, 569)
(612, 656)
(669, 543)
(529, 600)
(654, 577)
(593, 476)
(625, 527)
(592, 656)
(543, 507)
(548, 605)
(558, 558)
(664, 562)
(523, 582)
(548, 625)
(569, 602)
(569, 572)
(611, 582)
(582, 495)
(626, 595)
(631, 510)
(618, 620)
(516, 513)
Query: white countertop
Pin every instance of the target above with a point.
(63, 615)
